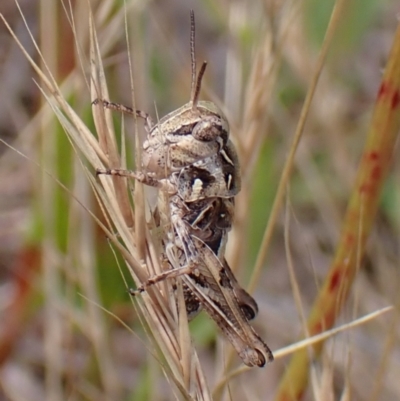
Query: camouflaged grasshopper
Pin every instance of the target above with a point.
(189, 157)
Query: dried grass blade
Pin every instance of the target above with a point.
(286, 174)
(302, 345)
(104, 126)
(360, 215)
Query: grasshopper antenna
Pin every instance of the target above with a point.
(192, 55)
(196, 83)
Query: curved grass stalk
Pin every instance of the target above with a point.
(357, 224)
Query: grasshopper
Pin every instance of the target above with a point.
(188, 155)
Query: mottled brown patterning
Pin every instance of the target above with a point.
(189, 157)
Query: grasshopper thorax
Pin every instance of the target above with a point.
(183, 137)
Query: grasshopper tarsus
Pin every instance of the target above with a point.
(168, 274)
(162, 184)
(115, 106)
(119, 172)
(134, 293)
(124, 109)
(100, 171)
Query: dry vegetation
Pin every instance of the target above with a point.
(300, 108)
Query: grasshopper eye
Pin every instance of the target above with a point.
(209, 129)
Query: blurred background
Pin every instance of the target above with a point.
(62, 297)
